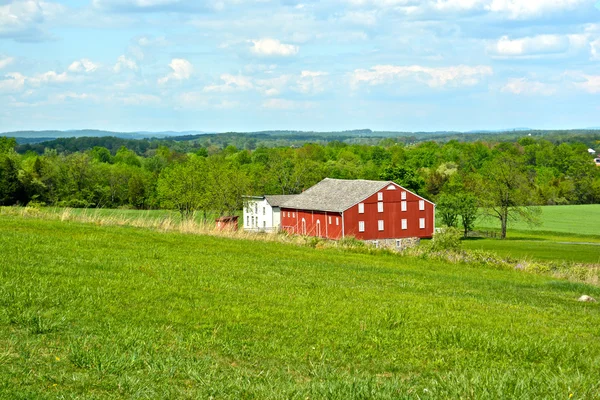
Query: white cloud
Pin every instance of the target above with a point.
(50, 77)
(273, 47)
(5, 61)
(12, 82)
(460, 75)
(231, 83)
(73, 96)
(537, 45)
(125, 63)
(312, 81)
(182, 69)
(585, 82)
(83, 65)
(526, 9)
(21, 20)
(284, 104)
(138, 99)
(522, 86)
(595, 49)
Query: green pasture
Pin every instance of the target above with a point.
(579, 220)
(566, 233)
(93, 312)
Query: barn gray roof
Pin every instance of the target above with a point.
(278, 200)
(335, 195)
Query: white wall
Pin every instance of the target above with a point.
(260, 216)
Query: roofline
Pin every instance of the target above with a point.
(253, 197)
(387, 183)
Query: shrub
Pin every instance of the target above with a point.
(446, 239)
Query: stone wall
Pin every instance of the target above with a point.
(395, 244)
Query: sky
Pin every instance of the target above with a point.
(249, 65)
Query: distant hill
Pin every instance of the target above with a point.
(43, 136)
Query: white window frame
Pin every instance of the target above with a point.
(421, 223)
(403, 196)
(421, 205)
(361, 226)
(330, 220)
(380, 225)
(337, 221)
(361, 208)
(380, 207)
(403, 206)
(404, 224)
(380, 196)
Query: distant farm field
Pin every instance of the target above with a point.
(566, 233)
(89, 311)
(576, 220)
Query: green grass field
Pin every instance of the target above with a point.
(567, 233)
(580, 220)
(99, 312)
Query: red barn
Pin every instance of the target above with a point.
(367, 210)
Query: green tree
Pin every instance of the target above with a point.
(183, 186)
(507, 192)
(468, 211)
(448, 209)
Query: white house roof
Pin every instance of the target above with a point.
(335, 195)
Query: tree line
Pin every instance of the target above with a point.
(503, 178)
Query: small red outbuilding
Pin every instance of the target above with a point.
(366, 210)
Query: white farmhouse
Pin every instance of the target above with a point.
(262, 213)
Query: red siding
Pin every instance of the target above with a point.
(313, 219)
(392, 217)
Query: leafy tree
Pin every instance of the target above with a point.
(468, 211)
(506, 191)
(449, 210)
(11, 188)
(404, 177)
(183, 186)
(7, 145)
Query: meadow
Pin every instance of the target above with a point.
(90, 311)
(567, 233)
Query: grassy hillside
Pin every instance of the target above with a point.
(576, 219)
(116, 312)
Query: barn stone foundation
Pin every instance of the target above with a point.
(395, 244)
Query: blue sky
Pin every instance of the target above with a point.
(246, 65)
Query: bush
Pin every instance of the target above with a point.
(446, 239)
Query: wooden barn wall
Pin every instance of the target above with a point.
(291, 221)
(392, 216)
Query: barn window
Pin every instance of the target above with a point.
(421, 205)
(294, 215)
(303, 226)
(404, 224)
(318, 228)
(288, 214)
(403, 206)
(330, 220)
(380, 207)
(403, 196)
(380, 224)
(337, 220)
(361, 226)
(361, 208)
(391, 187)
(422, 223)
